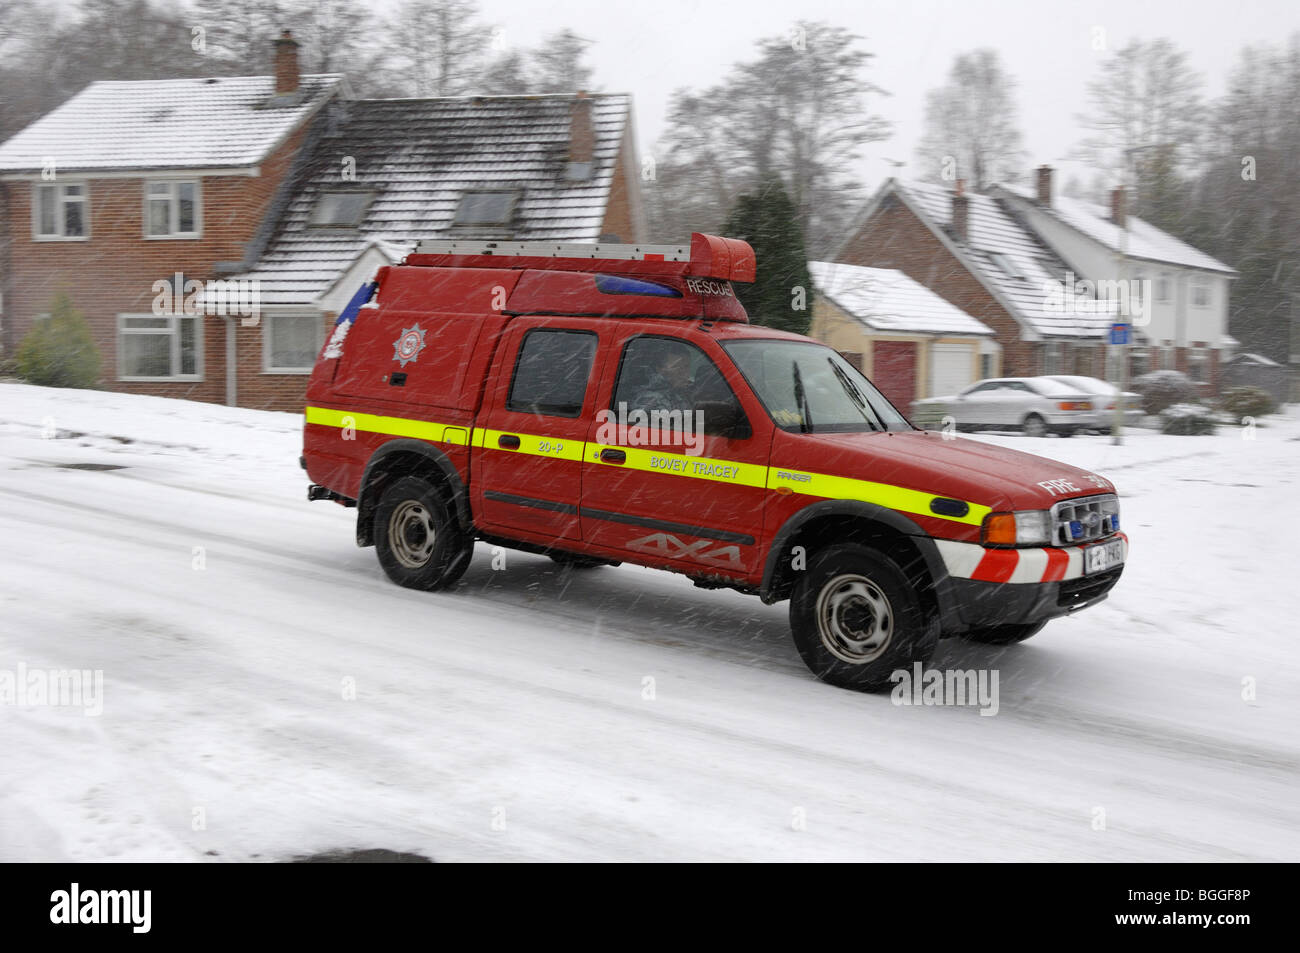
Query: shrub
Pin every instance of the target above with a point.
(58, 351)
(1242, 402)
(1162, 389)
(1186, 420)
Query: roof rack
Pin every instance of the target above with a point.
(707, 256)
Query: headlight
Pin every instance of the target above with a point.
(1025, 528)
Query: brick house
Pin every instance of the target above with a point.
(974, 253)
(1184, 325)
(286, 181)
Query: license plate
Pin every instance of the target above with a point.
(1106, 556)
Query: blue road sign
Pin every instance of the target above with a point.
(1119, 333)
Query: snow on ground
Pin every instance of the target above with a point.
(509, 719)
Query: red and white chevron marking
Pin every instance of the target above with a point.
(1053, 564)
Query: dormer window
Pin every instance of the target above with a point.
(171, 209)
(486, 208)
(341, 209)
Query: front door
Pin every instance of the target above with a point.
(677, 472)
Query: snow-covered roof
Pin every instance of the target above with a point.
(887, 300)
(1012, 261)
(418, 157)
(1250, 358)
(226, 122)
(1144, 240)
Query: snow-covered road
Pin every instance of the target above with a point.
(268, 693)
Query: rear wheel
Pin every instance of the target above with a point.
(856, 619)
(1034, 426)
(1004, 634)
(419, 543)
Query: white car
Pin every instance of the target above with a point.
(1036, 406)
(1107, 393)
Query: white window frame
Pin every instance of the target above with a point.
(1199, 357)
(174, 209)
(1162, 288)
(268, 318)
(173, 329)
(61, 199)
(1052, 356)
(1201, 284)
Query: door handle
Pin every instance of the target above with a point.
(610, 455)
(508, 441)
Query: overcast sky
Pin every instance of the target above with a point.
(651, 48)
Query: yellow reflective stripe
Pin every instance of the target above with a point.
(393, 426)
(681, 464)
(557, 448)
(716, 470)
(891, 497)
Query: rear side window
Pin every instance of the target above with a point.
(551, 372)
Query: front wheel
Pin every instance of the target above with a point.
(1004, 634)
(419, 543)
(856, 619)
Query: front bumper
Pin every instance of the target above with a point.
(987, 587)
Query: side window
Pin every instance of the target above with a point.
(551, 372)
(667, 376)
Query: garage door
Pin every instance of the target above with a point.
(950, 369)
(893, 370)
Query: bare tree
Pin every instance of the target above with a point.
(237, 34)
(797, 111)
(971, 126)
(438, 46)
(507, 75)
(1146, 100)
(558, 65)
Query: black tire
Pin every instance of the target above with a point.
(574, 561)
(1034, 426)
(1004, 634)
(419, 544)
(845, 587)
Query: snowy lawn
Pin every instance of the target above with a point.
(267, 693)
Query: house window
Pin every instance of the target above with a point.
(986, 366)
(171, 209)
(159, 347)
(60, 212)
(1139, 362)
(1168, 358)
(1200, 293)
(342, 209)
(1084, 360)
(1052, 358)
(486, 208)
(290, 343)
(1198, 365)
(1162, 289)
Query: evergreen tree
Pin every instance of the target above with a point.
(58, 351)
(781, 295)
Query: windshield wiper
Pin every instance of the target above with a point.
(801, 400)
(859, 399)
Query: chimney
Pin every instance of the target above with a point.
(960, 204)
(286, 64)
(1117, 210)
(582, 139)
(1045, 185)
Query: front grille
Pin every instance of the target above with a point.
(1085, 519)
